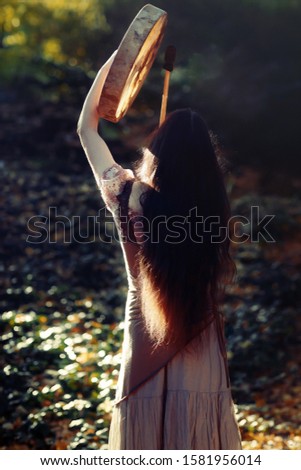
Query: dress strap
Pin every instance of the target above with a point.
(222, 344)
(125, 222)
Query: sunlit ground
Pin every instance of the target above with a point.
(62, 330)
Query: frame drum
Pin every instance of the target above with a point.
(135, 56)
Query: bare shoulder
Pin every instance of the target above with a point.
(138, 189)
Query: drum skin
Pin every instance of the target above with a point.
(135, 56)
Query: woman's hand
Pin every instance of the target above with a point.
(96, 150)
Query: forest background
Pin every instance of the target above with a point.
(238, 63)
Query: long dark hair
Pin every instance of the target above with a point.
(184, 260)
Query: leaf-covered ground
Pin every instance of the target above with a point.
(62, 301)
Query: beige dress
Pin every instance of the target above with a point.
(168, 398)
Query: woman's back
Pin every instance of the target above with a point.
(182, 393)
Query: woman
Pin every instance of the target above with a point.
(173, 390)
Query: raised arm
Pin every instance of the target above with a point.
(96, 150)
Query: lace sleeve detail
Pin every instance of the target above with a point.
(111, 185)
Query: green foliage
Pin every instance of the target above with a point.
(59, 31)
(79, 376)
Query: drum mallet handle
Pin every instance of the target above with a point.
(170, 56)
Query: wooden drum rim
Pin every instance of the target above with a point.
(134, 58)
